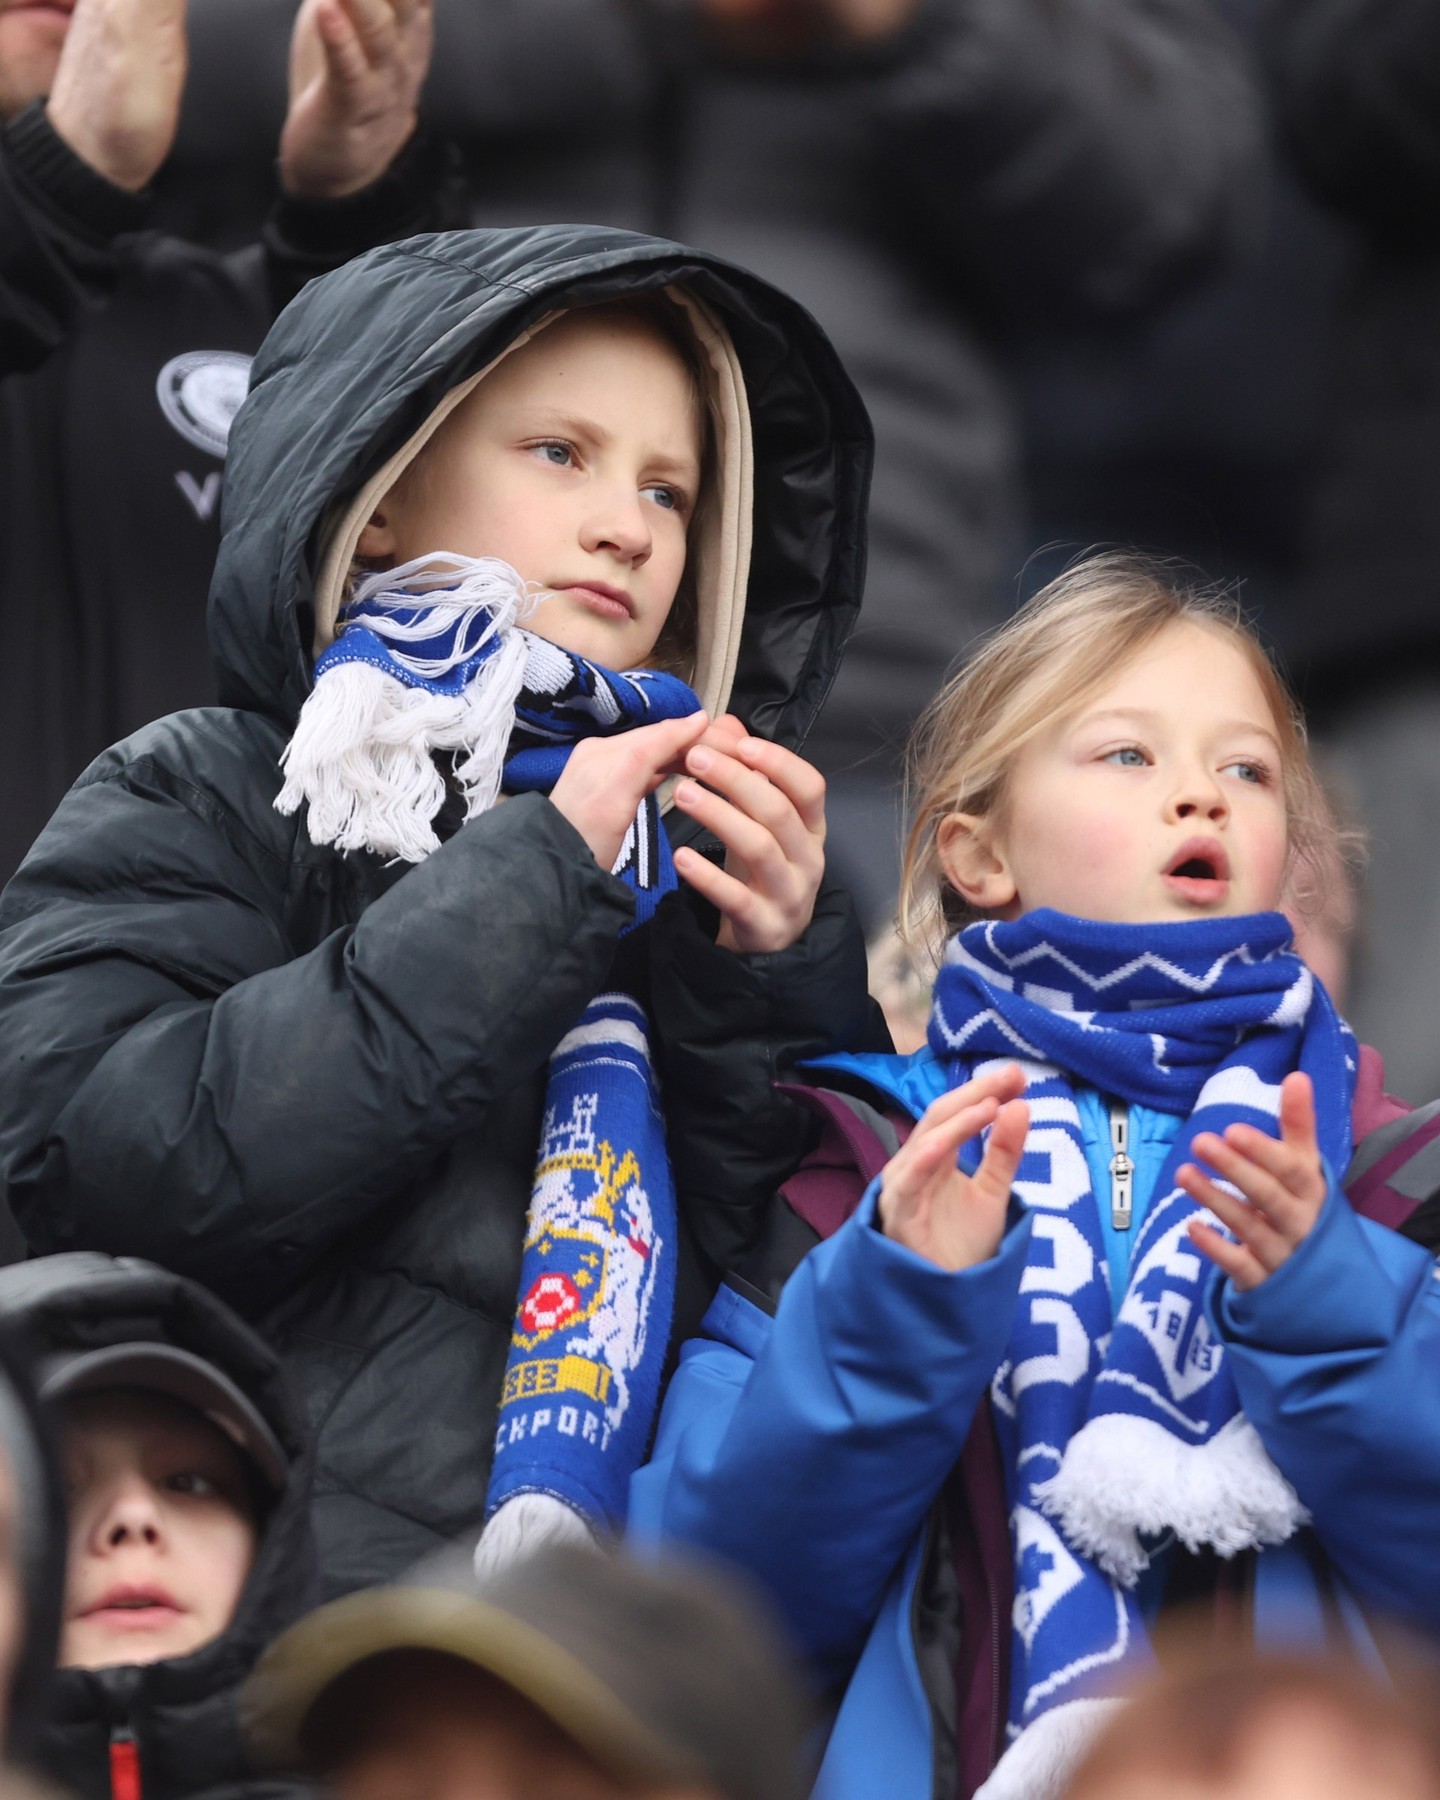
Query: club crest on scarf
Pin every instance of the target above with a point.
(1120, 1427)
(432, 663)
(597, 1278)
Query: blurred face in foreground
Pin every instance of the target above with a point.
(162, 1530)
(436, 1728)
(1299, 1751)
(32, 35)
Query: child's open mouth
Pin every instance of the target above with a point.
(1199, 871)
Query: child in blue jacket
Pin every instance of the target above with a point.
(1140, 1306)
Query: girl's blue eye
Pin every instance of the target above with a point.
(1247, 771)
(664, 496)
(555, 452)
(1128, 757)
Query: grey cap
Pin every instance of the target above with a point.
(166, 1369)
(659, 1670)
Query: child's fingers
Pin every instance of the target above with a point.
(1298, 1172)
(758, 849)
(919, 1173)
(756, 798)
(1241, 1265)
(801, 782)
(726, 893)
(726, 733)
(1000, 1084)
(1269, 1245)
(922, 1157)
(1003, 1149)
(1297, 1114)
(1287, 1210)
(663, 746)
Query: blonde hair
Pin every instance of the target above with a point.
(1044, 664)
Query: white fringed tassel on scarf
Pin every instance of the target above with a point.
(525, 1524)
(363, 753)
(1123, 1477)
(1039, 1763)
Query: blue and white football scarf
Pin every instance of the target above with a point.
(1117, 1429)
(430, 659)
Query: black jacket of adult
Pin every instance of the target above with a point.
(925, 197)
(1358, 85)
(314, 1082)
(122, 357)
(180, 1713)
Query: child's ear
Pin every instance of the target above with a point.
(974, 863)
(376, 544)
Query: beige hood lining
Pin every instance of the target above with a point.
(719, 551)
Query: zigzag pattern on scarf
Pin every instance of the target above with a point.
(1117, 1427)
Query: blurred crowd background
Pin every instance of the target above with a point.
(1160, 274)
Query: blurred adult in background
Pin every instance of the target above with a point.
(1197, 433)
(189, 1535)
(1358, 92)
(124, 352)
(929, 177)
(571, 1675)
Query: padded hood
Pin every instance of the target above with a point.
(181, 1712)
(360, 365)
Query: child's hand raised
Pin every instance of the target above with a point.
(926, 1203)
(1282, 1180)
(767, 806)
(605, 779)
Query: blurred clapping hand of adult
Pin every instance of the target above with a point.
(115, 98)
(356, 70)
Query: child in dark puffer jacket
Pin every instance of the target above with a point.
(555, 515)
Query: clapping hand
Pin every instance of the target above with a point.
(767, 806)
(1282, 1181)
(356, 70)
(952, 1219)
(115, 99)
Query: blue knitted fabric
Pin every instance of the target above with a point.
(1118, 1428)
(431, 660)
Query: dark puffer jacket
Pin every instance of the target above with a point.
(314, 1082)
(181, 1712)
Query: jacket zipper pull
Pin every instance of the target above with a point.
(1122, 1171)
(124, 1765)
